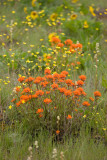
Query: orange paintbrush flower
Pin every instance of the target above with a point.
(47, 100)
(97, 94)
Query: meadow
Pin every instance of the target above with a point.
(53, 80)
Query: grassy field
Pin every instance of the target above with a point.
(53, 80)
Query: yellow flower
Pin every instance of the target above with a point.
(86, 24)
(51, 35)
(25, 9)
(10, 107)
(53, 16)
(33, 3)
(91, 9)
(73, 16)
(84, 116)
(34, 15)
(74, 1)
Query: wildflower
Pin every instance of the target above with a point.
(18, 104)
(55, 40)
(26, 90)
(97, 94)
(80, 83)
(86, 103)
(34, 96)
(13, 100)
(47, 92)
(50, 77)
(73, 16)
(60, 45)
(36, 81)
(21, 79)
(86, 24)
(69, 116)
(39, 93)
(91, 9)
(68, 42)
(68, 93)
(47, 71)
(77, 92)
(84, 116)
(57, 132)
(54, 85)
(10, 107)
(40, 110)
(69, 82)
(47, 100)
(51, 35)
(92, 99)
(30, 79)
(55, 75)
(36, 144)
(54, 153)
(34, 15)
(17, 89)
(82, 77)
(62, 76)
(62, 155)
(62, 90)
(53, 16)
(33, 3)
(64, 72)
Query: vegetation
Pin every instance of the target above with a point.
(53, 82)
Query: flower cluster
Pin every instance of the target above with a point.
(53, 95)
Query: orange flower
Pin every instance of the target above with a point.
(62, 76)
(64, 72)
(26, 90)
(78, 63)
(50, 77)
(62, 90)
(18, 104)
(82, 77)
(86, 103)
(68, 42)
(92, 99)
(55, 40)
(54, 85)
(47, 71)
(34, 96)
(97, 94)
(83, 93)
(69, 116)
(47, 92)
(60, 45)
(36, 81)
(24, 97)
(57, 132)
(55, 75)
(80, 89)
(77, 92)
(39, 93)
(68, 93)
(17, 89)
(47, 100)
(68, 82)
(40, 110)
(80, 83)
(30, 79)
(79, 45)
(13, 100)
(21, 79)
(44, 84)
